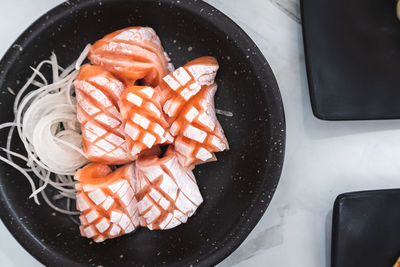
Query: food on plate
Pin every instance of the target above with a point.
(185, 82)
(197, 131)
(107, 201)
(188, 100)
(133, 54)
(167, 192)
(97, 93)
(158, 193)
(144, 122)
(139, 129)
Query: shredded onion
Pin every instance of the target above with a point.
(82, 57)
(46, 123)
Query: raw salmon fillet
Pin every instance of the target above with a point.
(107, 201)
(167, 193)
(132, 54)
(185, 82)
(97, 94)
(143, 120)
(188, 100)
(197, 130)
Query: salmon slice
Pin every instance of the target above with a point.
(197, 130)
(167, 193)
(107, 201)
(185, 82)
(187, 96)
(132, 54)
(143, 120)
(97, 94)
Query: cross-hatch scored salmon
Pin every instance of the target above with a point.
(97, 94)
(188, 98)
(107, 201)
(126, 123)
(167, 193)
(158, 193)
(132, 54)
(185, 82)
(144, 122)
(197, 130)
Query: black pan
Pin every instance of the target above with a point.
(236, 189)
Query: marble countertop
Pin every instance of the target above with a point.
(323, 159)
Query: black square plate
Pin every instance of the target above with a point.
(366, 229)
(353, 58)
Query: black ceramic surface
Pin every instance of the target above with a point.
(366, 229)
(236, 189)
(353, 57)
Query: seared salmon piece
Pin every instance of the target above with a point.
(197, 131)
(185, 82)
(132, 54)
(97, 93)
(107, 201)
(167, 193)
(143, 120)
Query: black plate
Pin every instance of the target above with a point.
(366, 229)
(353, 58)
(236, 189)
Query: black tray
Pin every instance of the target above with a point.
(366, 229)
(353, 58)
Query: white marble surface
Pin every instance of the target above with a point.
(323, 159)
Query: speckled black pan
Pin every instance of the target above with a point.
(236, 189)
